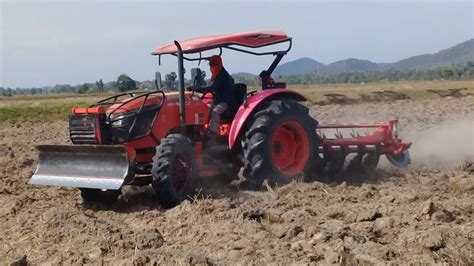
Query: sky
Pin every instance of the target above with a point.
(58, 42)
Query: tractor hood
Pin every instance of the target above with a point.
(134, 103)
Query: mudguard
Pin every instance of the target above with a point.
(248, 107)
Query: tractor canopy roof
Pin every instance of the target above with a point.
(230, 41)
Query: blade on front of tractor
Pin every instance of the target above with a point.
(83, 166)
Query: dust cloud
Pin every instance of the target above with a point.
(444, 146)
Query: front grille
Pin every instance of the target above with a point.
(82, 129)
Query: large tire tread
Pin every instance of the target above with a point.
(162, 182)
(258, 164)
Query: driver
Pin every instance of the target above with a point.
(222, 88)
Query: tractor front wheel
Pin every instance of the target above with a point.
(174, 170)
(280, 143)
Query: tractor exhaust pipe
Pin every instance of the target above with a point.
(182, 104)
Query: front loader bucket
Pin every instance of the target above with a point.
(83, 166)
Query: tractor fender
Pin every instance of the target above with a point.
(252, 102)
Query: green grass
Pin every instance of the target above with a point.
(58, 106)
(42, 111)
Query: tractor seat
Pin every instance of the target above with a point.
(240, 89)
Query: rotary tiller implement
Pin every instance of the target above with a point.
(365, 142)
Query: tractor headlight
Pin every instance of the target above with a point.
(122, 119)
(131, 125)
(120, 123)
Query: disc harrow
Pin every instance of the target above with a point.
(356, 148)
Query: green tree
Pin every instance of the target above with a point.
(63, 88)
(125, 83)
(169, 80)
(100, 85)
(84, 88)
(447, 72)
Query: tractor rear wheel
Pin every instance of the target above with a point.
(174, 170)
(92, 195)
(280, 143)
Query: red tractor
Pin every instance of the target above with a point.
(161, 138)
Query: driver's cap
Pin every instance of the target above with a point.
(215, 60)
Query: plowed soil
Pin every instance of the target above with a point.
(423, 214)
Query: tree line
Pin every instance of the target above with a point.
(126, 83)
(449, 73)
(122, 84)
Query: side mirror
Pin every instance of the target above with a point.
(197, 77)
(158, 83)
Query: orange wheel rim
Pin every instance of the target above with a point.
(290, 148)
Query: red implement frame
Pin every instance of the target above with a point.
(384, 135)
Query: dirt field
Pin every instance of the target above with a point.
(423, 214)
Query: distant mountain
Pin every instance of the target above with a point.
(457, 55)
(349, 65)
(243, 75)
(303, 65)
